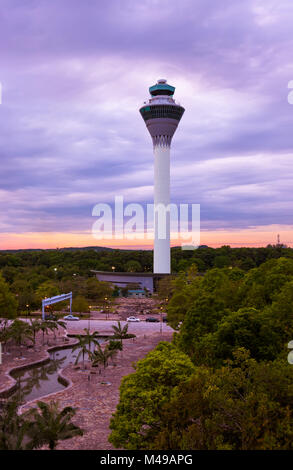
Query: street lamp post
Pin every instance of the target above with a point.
(89, 319)
(106, 298)
(161, 319)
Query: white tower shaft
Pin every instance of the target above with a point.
(162, 209)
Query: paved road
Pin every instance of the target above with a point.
(139, 328)
(104, 326)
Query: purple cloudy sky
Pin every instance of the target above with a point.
(74, 74)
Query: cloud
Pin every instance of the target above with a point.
(74, 75)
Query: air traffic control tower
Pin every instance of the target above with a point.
(162, 115)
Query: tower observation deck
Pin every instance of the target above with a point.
(161, 115)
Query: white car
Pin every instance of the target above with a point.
(133, 319)
(71, 317)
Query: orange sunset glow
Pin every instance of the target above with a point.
(257, 236)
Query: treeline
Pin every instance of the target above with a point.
(59, 264)
(32, 274)
(225, 381)
(244, 258)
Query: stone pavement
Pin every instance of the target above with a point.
(95, 401)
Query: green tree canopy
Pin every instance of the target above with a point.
(8, 303)
(80, 304)
(242, 406)
(133, 266)
(143, 393)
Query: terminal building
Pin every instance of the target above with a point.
(143, 281)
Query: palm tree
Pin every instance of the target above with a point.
(91, 338)
(13, 427)
(4, 336)
(121, 333)
(62, 324)
(50, 424)
(52, 325)
(44, 327)
(34, 327)
(102, 356)
(82, 345)
(20, 330)
(4, 324)
(114, 345)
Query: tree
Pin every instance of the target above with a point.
(281, 311)
(165, 287)
(4, 335)
(44, 328)
(250, 329)
(177, 308)
(24, 291)
(19, 331)
(121, 333)
(47, 289)
(114, 345)
(35, 328)
(247, 328)
(80, 304)
(82, 347)
(97, 290)
(13, 428)
(91, 338)
(52, 326)
(102, 356)
(243, 406)
(185, 289)
(8, 303)
(50, 424)
(143, 393)
(182, 265)
(221, 261)
(116, 291)
(133, 266)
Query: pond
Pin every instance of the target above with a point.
(41, 380)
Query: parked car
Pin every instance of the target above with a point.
(165, 319)
(133, 319)
(152, 319)
(71, 318)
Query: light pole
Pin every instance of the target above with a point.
(89, 319)
(106, 298)
(161, 319)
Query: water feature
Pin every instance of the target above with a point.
(41, 380)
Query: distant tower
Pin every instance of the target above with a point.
(278, 239)
(161, 115)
